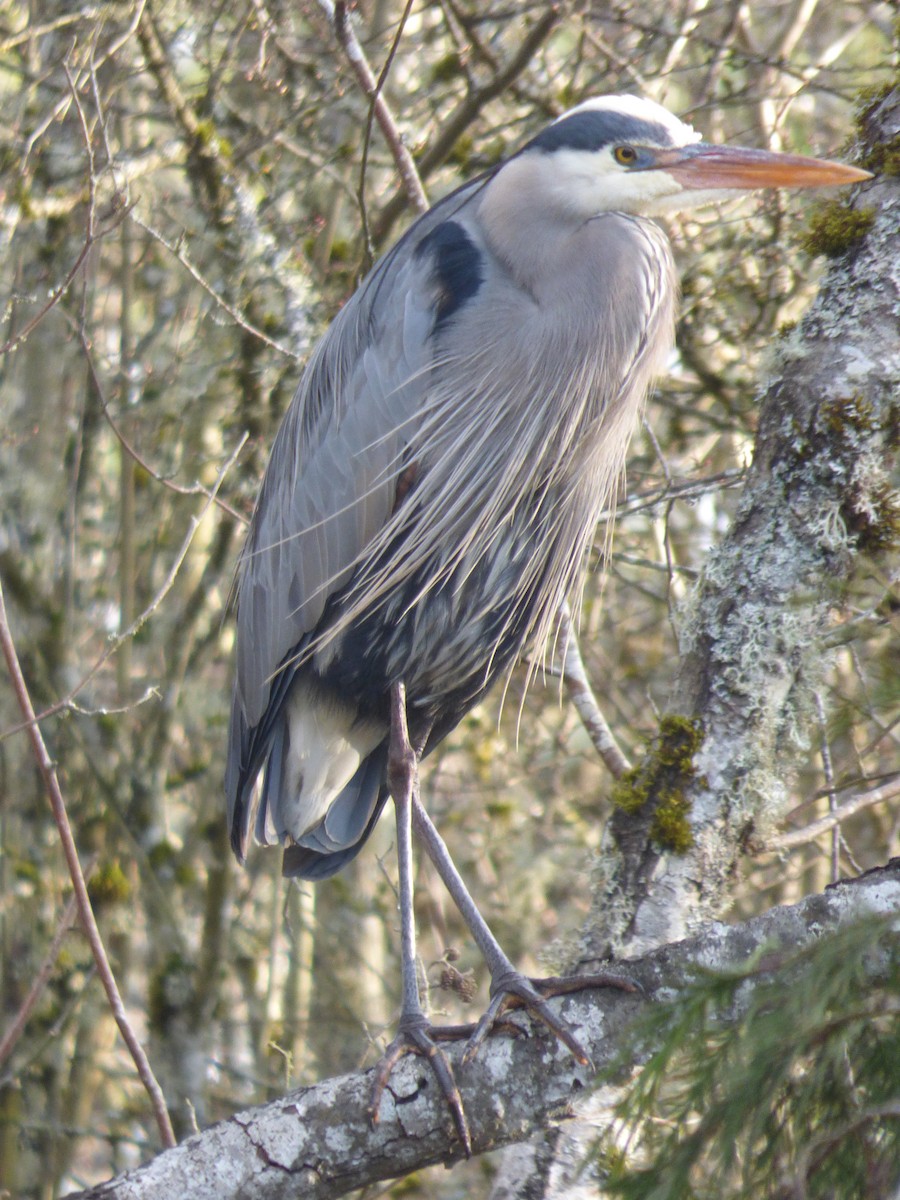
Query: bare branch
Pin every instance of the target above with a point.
(364, 157)
(47, 768)
(346, 36)
(180, 489)
(166, 586)
(582, 696)
(235, 313)
(839, 813)
(16, 1027)
(469, 108)
(92, 234)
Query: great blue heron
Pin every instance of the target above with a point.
(437, 481)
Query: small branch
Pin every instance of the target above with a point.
(195, 489)
(364, 157)
(16, 1027)
(469, 108)
(344, 32)
(828, 771)
(193, 526)
(235, 313)
(582, 696)
(92, 234)
(799, 837)
(61, 108)
(116, 641)
(47, 769)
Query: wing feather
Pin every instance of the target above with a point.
(329, 488)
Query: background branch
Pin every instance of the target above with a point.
(47, 768)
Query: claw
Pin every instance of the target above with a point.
(417, 1039)
(512, 990)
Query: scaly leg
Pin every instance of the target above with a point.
(414, 1029)
(509, 988)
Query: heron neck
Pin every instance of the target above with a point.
(530, 222)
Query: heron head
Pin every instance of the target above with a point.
(629, 154)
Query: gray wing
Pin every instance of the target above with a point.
(330, 487)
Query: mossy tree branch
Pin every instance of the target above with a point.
(318, 1143)
(818, 504)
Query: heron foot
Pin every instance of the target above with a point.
(511, 990)
(415, 1037)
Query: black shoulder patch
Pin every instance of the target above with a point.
(458, 267)
(595, 128)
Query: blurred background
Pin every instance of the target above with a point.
(187, 196)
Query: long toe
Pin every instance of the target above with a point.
(512, 990)
(417, 1039)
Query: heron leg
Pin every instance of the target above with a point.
(414, 1028)
(509, 987)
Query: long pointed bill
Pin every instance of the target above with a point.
(704, 167)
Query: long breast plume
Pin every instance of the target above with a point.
(553, 424)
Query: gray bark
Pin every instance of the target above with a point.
(753, 639)
(318, 1143)
(752, 643)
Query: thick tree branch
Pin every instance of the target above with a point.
(817, 504)
(317, 1142)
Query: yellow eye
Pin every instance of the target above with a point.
(625, 156)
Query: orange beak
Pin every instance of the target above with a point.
(703, 167)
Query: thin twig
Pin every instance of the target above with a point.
(166, 586)
(799, 837)
(468, 109)
(828, 771)
(582, 696)
(195, 489)
(57, 803)
(367, 136)
(55, 296)
(92, 233)
(346, 36)
(16, 1027)
(235, 313)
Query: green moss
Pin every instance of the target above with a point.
(661, 780)
(630, 792)
(28, 871)
(21, 195)
(871, 506)
(186, 875)
(170, 992)
(670, 826)
(834, 228)
(873, 517)
(882, 158)
(447, 68)
(848, 414)
(162, 856)
(463, 149)
(867, 99)
(109, 885)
